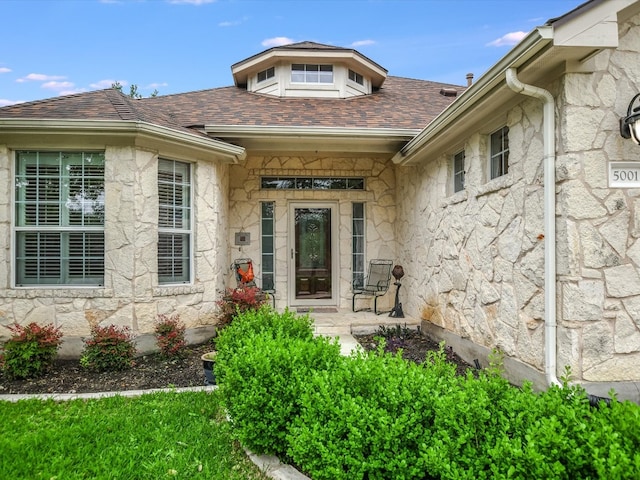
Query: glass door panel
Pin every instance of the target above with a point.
(312, 255)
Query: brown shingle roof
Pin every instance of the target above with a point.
(401, 103)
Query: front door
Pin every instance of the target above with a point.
(312, 256)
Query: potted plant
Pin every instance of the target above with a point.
(208, 361)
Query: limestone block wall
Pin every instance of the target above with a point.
(380, 211)
(131, 295)
(478, 255)
(599, 249)
(474, 259)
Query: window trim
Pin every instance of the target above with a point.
(285, 182)
(268, 74)
(62, 225)
(356, 77)
(501, 155)
(307, 73)
(458, 172)
(189, 231)
(264, 253)
(357, 275)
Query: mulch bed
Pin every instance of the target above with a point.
(154, 371)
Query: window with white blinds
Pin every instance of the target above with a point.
(59, 231)
(174, 222)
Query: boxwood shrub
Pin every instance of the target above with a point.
(262, 366)
(376, 416)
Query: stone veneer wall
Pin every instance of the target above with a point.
(599, 227)
(131, 296)
(479, 256)
(379, 198)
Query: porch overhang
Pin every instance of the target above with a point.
(43, 133)
(376, 141)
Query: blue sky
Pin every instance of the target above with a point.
(58, 47)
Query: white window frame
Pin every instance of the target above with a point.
(268, 235)
(315, 74)
(499, 153)
(356, 77)
(358, 243)
(175, 220)
(458, 171)
(266, 74)
(59, 218)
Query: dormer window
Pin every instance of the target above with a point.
(266, 74)
(310, 73)
(356, 77)
(309, 70)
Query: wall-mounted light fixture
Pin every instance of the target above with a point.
(630, 125)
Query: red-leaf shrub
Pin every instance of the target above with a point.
(30, 351)
(109, 348)
(169, 333)
(238, 300)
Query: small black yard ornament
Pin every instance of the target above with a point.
(398, 273)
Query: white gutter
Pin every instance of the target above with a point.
(549, 159)
(269, 131)
(103, 128)
(535, 42)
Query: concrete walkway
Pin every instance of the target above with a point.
(345, 323)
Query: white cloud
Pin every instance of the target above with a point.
(276, 41)
(233, 23)
(4, 70)
(157, 85)
(107, 83)
(362, 43)
(190, 2)
(73, 91)
(57, 85)
(5, 103)
(508, 39)
(39, 77)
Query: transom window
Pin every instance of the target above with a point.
(266, 74)
(356, 77)
(458, 171)
(500, 152)
(309, 73)
(312, 183)
(174, 222)
(59, 232)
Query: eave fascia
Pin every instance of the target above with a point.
(139, 132)
(299, 138)
(535, 42)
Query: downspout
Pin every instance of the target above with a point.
(549, 139)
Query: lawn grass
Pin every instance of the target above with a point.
(161, 435)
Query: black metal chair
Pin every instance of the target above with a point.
(376, 284)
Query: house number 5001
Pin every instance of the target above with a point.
(624, 174)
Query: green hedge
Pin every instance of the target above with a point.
(376, 416)
(263, 360)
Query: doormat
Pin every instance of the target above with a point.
(317, 310)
